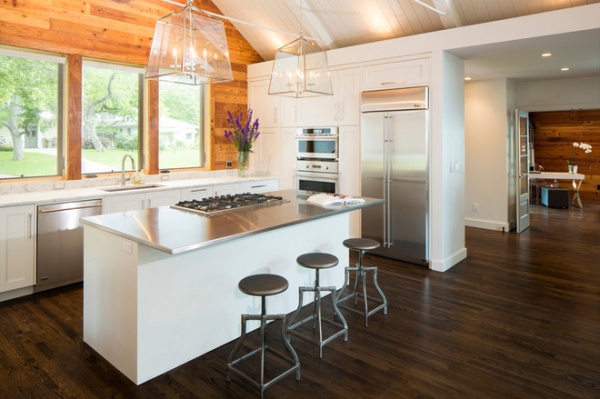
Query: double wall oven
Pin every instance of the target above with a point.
(317, 155)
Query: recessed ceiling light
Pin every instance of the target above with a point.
(546, 54)
(565, 69)
(467, 78)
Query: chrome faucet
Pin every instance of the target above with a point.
(123, 168)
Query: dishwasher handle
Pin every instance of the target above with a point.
(68, 209)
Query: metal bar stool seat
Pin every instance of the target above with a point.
(362, 245)
(318, 261)
(263, 285)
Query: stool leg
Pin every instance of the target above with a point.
(263, 323)
(285, 339)
(383, 298)
(237, 347)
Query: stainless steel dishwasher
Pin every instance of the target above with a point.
(60, 242)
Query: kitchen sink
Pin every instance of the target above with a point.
(129, 188)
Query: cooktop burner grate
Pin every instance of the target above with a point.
(224, 203)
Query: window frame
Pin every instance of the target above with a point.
(61, 105)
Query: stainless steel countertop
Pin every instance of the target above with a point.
(175, 231)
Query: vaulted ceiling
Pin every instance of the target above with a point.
(342, 23)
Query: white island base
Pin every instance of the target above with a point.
(147, 311)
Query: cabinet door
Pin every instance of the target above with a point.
(265, 107)
(287, 159)
(162, 198)
(321, 110)
(264, 158)
(347, 109)
(123, 203)
(17, 247)
(224, 189)
(396, 74)
(349, 170)
(192, 193)
(343, 108)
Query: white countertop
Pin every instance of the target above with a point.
(75, 194)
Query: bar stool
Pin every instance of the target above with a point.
(318, 261)
(263, 285)
(362, 245)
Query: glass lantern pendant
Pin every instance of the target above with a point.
(189, 48)
(300, 70)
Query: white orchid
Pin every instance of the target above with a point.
(584, 146)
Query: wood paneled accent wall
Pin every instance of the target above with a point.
(554, 135)
(122, 31)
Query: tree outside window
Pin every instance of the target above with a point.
(30, 112)
(111, 98)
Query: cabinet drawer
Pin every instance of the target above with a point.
(259, 186)
(188, 194)
(396, 74)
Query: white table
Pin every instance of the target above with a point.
(576, 180)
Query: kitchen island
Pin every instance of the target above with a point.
(160, 284)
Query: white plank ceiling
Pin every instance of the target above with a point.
(342, 23)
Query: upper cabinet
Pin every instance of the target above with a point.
(396, 74)
(340, 109)
(272, 111)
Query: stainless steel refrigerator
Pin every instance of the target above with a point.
(394, 166)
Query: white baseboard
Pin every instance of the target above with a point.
(488, 224)
(446, 264)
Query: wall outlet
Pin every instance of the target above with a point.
(164, 177)
(229, 164)
(598, 187)
(59, 185)
(475, 206)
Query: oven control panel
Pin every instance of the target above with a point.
(316, 166)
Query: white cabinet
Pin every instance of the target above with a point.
(271, 110)
(396, 74)
(162, 198)
(259, 186)
(342, 108)
(287, 159)
(224, 189)
(191, 193)
(349, 170)
(17, 247)
(136, 201)
(264, 158)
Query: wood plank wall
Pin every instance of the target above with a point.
(554, 135)
(122, 31)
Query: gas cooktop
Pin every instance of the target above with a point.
(224, 203)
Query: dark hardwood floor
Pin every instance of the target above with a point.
(519, 318)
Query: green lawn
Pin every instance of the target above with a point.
(38, 164)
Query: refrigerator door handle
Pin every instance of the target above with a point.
(387, 227)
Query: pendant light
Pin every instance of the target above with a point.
(300, 69)
(189, 48)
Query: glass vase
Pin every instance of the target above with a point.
(243, 167)
(572, 169)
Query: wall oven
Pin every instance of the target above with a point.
(317, 176)
(317, 143)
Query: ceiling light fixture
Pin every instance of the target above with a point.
(546, 54)
(300, 69)
(189, 48)
(565, 69)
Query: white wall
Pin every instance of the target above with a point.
(447, 163)
(486, 131)
(559, 94)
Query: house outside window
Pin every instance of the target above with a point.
(180, 126)
(30, 114)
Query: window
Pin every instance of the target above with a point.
(110, 117)
(180, 126)
(30, 114)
